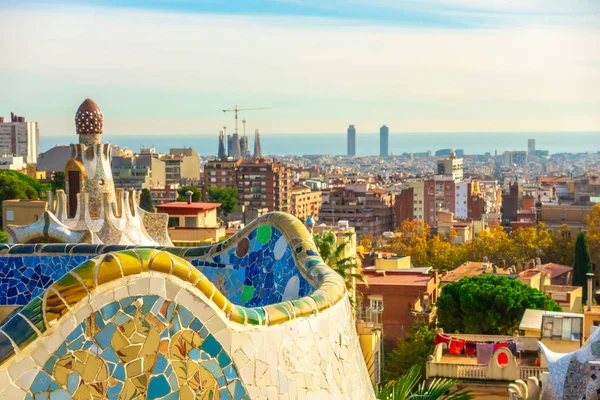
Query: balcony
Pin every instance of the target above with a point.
(521, 366)
(372, 318)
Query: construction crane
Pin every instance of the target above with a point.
(236, 109)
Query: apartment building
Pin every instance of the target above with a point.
(221, 173)
(369, 210)
(305, 202)
(19, 138)
(264, 183)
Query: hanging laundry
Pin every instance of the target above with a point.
(520, 346)
(500, 345)
(470, 348)
(441, 338)
(512, 346)
(456, 346)
(484, 353)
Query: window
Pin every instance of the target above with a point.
(190, 222)
(376, 303)
(10, 215)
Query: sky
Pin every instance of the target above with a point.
(159, 67)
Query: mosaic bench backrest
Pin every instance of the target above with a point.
(146, 323)
(254, 268)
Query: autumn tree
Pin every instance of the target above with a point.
(493, 245)
(411, 240)
(529, 243)
(488, 304)
(443, 254)
(562, 250)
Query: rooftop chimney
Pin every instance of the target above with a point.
(189, 195)
(589, 290)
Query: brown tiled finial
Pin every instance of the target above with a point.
(89, 119)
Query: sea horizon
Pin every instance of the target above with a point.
(367, 144)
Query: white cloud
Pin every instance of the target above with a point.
(319, 73)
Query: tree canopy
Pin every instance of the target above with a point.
(228, 197)
(488, 304)
(410, 351)
(40, 188)
(582, 265)
(335, 255)
(11, 188)
(146, 202)
(181, 192)
(414, 238)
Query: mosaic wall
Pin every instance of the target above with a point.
(273, 321)
(258, 270)
(139, 347)
(571, 376)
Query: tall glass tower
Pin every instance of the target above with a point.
(351, 140)
(384, 141)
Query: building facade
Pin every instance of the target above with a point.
(221, 173)
(369, 210)
(305, 202)
(19, 138)
(403, 296)
(264, 183)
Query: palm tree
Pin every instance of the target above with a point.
(334, 255)
(404, 388)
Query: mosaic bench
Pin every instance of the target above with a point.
(257, 316)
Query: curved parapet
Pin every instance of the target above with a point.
(568, 371)
(145, 323)
(47, 229)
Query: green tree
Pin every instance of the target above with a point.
(58, 181)
(410, 351)
(335, 254)
(182, 196)
(405, 388)
(11, 188)
(488, 304)
(3, 237)
(146, 202)
(593, 234)
(582, 265)
(40, 188)
(228, 197)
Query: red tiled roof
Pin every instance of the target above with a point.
(185, 205)
(556, 269)
(392, 278)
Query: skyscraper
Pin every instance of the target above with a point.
(384, 141)
(531, 147)
(351, 140)
(257, 148)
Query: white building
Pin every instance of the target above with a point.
(8, 161)
(461, 195)
(451, 167)
(20, 138)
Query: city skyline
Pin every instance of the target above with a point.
(462, 67)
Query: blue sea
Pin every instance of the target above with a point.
(366, 144)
